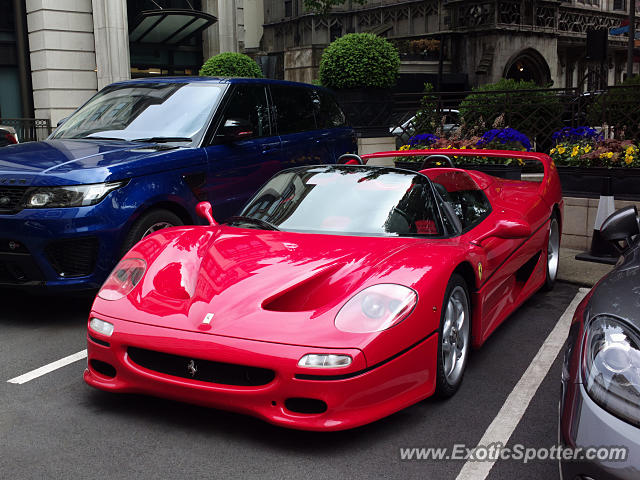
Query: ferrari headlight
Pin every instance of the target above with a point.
(376, 308)
(611, 367)
(324, 360)
(100, 326)
(70, 196)
(123, 279)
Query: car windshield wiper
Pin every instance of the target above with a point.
(97, 137)
(162, 139)
(255, 221)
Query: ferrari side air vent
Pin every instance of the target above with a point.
(525, 271)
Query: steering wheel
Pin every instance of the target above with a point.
(350, 159)
(433, 160)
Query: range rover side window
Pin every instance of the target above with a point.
(249, 103)
(294, 109)
(328, 113)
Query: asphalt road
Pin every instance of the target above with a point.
(57, 427)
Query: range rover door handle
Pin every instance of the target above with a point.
(269, 147)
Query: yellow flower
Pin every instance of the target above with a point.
(575, 151)
(561, 150)
(609, 154)
(404, 147)
(552, 151)
(587, 149)
(628, 159)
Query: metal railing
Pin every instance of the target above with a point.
(29, 129)
(536, 113)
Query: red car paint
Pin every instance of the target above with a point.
(274, 296)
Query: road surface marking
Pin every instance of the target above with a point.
(518, 400)
(38, 372)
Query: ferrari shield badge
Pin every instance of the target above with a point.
(479, 271)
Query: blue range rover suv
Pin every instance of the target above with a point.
(139, 156)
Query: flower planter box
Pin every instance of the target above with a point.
(623, 183)
(509, 172)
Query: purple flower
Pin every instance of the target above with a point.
(504, 136)
(423, 139)
(576, 134)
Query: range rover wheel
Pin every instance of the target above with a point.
(149, 223)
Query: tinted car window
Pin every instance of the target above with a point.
(348, 200)
(249, 103)
(328, 113)
(294, 109)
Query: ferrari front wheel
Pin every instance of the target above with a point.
(454, 337)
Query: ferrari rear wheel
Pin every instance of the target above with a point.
(454, 340)
(553, 253)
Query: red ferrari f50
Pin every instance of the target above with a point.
(341, 294)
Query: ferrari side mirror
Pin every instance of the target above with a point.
(621, 225)
(204, 210)
(508, 229)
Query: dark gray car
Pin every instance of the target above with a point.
(600, 404)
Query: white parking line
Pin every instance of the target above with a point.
(518, 400)
(38, 372)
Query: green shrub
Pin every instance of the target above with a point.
(231, 64)
(359, 60)
(523, 106)
(427, 118)
(618, 108)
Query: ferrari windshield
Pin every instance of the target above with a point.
(172, 112)
(349, 200)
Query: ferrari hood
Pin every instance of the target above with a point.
(270, 286)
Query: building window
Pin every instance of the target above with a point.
(620, 5)
(288, 8)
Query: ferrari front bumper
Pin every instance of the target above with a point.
(294, 397)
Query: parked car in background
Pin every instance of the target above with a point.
(450, 124)
(341, 294)
(8, 136)
(600, 403)
(139, 156)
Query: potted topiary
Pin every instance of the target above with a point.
(229, 64)
(361, 68)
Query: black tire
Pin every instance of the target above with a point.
(147, 221)
(551, 277)
(446, 388)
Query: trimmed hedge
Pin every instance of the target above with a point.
(231, 64)
(359, 60)
(524, 106)
(618, 108)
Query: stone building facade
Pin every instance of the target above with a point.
(484, 40)
(72, 48)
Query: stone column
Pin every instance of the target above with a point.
(253, 20)
(211, 36)
(228, 25)
(63, 60)
(111, 32)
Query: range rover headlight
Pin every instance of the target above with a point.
(611, 367)
(70, 196)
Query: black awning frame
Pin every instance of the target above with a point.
(167, 12)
